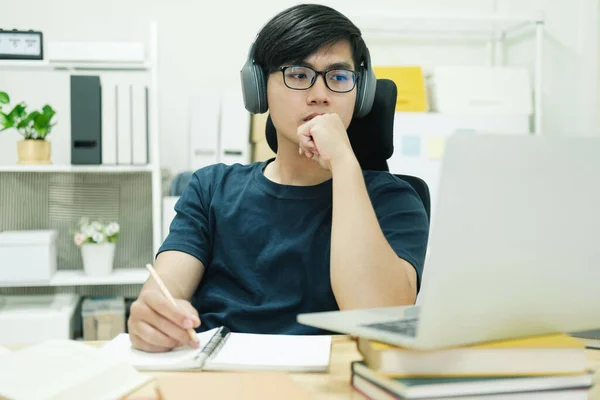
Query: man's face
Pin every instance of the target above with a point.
(291, 108)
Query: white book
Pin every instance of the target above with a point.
(483, 90)
(66, 370)
(235, 129)
(204, 129)
(169, 213)
(124, 124)
(139, 118)
(109, 123)
(222, 350)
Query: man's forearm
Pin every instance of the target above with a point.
(365, 270)
(180, 272)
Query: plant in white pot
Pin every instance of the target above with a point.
(97, 241)
(34, 126)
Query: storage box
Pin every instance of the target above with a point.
(103, 318)
(34, 318)
(27, 256)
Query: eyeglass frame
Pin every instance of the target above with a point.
(317, 73)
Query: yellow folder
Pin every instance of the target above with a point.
(412, 95)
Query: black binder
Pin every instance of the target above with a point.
(86, 120)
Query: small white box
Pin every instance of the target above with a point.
(27, 256)
(34, 318)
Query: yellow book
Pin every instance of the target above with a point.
(541, 355)
(409, 80)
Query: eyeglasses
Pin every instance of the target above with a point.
(302, 78)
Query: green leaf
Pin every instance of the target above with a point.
(26, 121)
(9, 121)
(48, 111)
(4, 99)
(18, 111)
(40, 124)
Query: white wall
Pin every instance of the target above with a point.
(204, 44)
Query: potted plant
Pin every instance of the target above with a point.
(97, 241)
(33, 126)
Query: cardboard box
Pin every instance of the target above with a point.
(258, 126)
(103, 318)
(261, 151)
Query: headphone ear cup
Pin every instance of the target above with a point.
(254, 88)
(261, 84)
(366, 85)
(365, 95)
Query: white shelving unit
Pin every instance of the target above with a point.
(491, 29)
(76, 168)
(120, 276)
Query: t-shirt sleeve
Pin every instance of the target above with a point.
(403, 221)
(189, 231)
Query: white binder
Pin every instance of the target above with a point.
(482, 90)
(139, 126)
(235, 129)
(109, 122)
(169, 214)
(124, 124)
(204, 129)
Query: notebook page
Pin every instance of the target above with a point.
(66, 370)
(181, 357)
(245, 351)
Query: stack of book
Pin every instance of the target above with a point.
(543, 367)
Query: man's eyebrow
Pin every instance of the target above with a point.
(336, 65)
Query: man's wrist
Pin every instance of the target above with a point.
(345, 162)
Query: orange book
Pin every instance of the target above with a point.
(410, 83)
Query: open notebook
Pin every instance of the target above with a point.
(63, 369)
(222, 350)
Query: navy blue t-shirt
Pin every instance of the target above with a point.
(266, 246)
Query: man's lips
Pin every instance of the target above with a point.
(311, 116)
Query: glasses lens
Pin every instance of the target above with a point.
(298, 77)
(340, 80)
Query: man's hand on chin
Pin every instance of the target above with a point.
(324, 139)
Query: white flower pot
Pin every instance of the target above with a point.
(98, 258)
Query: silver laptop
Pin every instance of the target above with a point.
(514, 249)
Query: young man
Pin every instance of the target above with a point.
(253, 246)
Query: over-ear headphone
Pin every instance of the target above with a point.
(254, 85)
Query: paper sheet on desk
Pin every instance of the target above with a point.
(241, 351)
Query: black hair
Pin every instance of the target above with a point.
(297, 32)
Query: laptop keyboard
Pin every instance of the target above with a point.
(406, 327)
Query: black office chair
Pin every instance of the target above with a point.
(372, 138)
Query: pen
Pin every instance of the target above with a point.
(163, 288)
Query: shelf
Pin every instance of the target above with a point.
(72, 66)
(373, 23)
(121, 276)
(76, 168)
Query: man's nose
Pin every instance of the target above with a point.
(318, 93)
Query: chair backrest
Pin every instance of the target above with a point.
(372, 137)
(420, 186)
